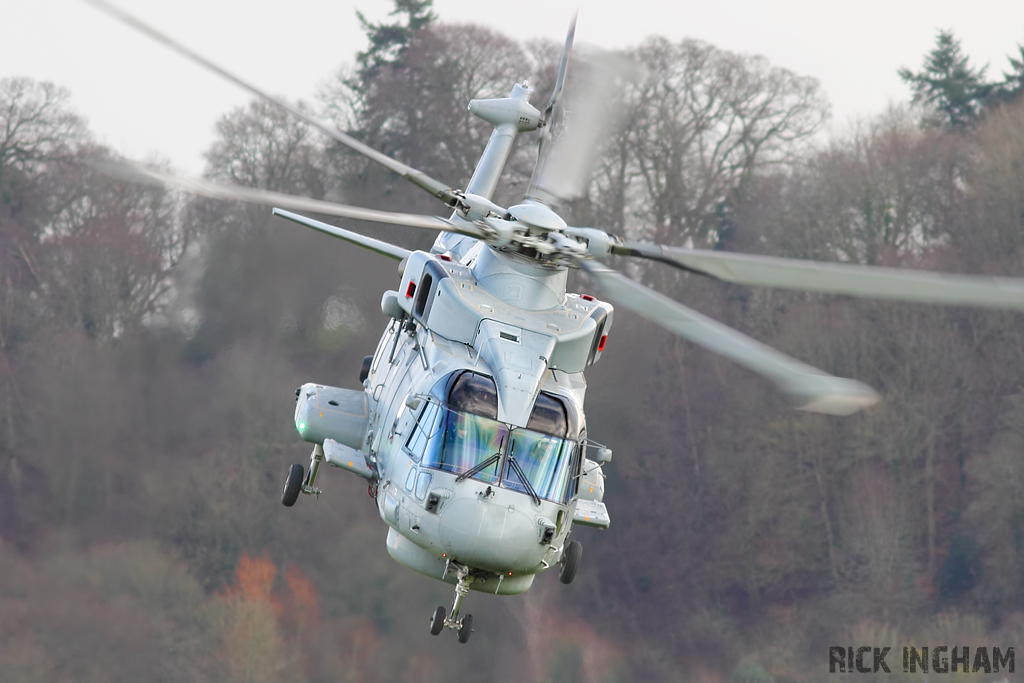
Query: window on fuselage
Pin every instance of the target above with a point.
(423, 294)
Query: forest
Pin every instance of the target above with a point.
(151, 344)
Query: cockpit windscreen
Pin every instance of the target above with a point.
(539, 462)
(466, 439)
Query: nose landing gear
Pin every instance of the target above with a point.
(464, 626)
(437, 621)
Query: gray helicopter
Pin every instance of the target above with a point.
(469, 428)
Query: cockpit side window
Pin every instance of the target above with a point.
(549, 416)
(476, 394)
(427, 426)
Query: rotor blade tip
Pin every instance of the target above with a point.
(846, 398)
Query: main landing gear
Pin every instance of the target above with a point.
(570, 561)
(464, 626)
(300, 480)
(292, 485)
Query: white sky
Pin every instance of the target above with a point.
(143, 100)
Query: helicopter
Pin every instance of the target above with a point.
(469, 428)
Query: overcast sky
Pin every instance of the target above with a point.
(143, 100)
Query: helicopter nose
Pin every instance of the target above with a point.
(490, 535)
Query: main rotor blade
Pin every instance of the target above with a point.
(134, 172)
(838, 278)
(563, 170)
(440, 190)
(812, 389)
(563, 63)
(548, 118)
(383, 248)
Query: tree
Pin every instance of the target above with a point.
(1011, 87)
(264, 147)
(416, 109)
(696, 132)
(37, 126)
(949, 84)
(887, 190)
(254, 649)
(108, 252)
(996, 184)
(95, 252)
(252, 253)
(390, 41)
(1013, 83)
(37, 130)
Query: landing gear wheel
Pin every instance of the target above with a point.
(364, 370)
(292, 485)
(437, 621)
(466, 629)
(570, 561)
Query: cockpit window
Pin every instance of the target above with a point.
(539, 464)
(549, 416)
(472, 446)
(427, 427)
(476, 394)
(465, 438)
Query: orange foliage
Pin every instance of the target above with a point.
(254, 580)
(302, 616)
(303, 594)
(360, 644)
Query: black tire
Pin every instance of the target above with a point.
(466, 630)
(437, 621)
(292, 485)
(364, 370)
(570, 562)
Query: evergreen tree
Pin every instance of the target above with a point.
(389, 41)
(949, 83)
(1012, 86)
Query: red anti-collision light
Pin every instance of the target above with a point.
(586, 297)
(444, 257)
(600, 347)
(410, 290)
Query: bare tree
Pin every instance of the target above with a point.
(262, 146)
(696, 131)
(36, 124)
(996, 182)
(109, 252)
(886, 191)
